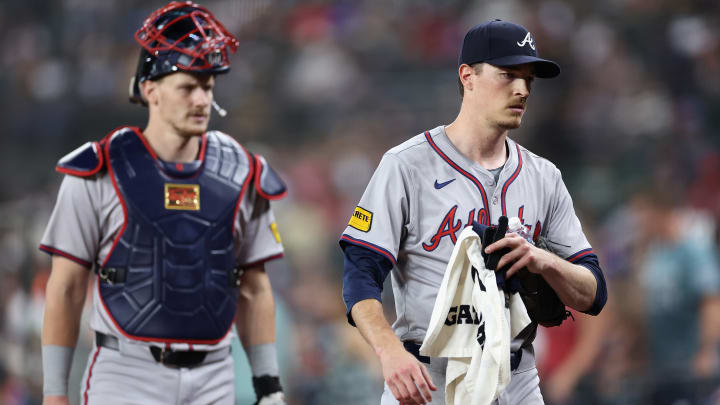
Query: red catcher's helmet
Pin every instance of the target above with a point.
(181, 36)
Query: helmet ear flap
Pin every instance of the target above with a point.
(135, 93)
(141, 73)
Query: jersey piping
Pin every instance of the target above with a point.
(376, 248)
(486, 218)
(511, 179)
(90, 372)
(261, 261)
(579, 255)
(53, 251)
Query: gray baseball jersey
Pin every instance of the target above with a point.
(425, 191)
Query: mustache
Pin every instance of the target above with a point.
(518, 103)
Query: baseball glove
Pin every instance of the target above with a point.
(541, 301)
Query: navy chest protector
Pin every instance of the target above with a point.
(171, 273)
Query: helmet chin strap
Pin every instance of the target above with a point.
(221, 111)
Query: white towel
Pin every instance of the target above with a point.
(475, 374)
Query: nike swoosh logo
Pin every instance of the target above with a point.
(438, 186)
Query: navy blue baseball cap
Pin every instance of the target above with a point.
(502, 43)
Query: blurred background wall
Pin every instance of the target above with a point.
(323, 88)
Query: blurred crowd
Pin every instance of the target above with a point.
(323, 88)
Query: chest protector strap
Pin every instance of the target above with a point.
(175, 250)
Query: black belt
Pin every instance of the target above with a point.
(170, 358)
(414, 349)
(515, 358)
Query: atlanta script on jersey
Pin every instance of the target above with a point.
(425, 192)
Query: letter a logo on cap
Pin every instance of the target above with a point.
(528, 40)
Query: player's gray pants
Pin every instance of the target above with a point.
(112, 378)
(523, 389)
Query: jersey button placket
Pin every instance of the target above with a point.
(491, 183)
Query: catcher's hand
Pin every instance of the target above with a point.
(541, 301)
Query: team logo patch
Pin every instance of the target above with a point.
(361, 219)
(273, 228)
(184, 197)
(527, 40)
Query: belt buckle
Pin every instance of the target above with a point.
(160, 354)
(163, 351)
(171, 358)
(177, 359)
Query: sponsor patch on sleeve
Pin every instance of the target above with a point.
(361, 219)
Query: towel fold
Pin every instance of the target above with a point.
(472, 324)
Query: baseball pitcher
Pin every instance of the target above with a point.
(427, 189)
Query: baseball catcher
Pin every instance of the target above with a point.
(175, 221)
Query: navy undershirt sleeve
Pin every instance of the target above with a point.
(365, 272)
(591, 263)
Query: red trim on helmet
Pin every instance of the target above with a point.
(215, 37)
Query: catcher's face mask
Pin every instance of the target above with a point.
(181, 36)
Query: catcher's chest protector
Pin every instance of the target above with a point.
(170, 275)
